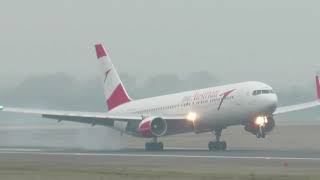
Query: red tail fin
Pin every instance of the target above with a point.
(318, 86)
(114, 90)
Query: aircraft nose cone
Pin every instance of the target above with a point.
(272, 103)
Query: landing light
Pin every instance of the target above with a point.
(261, 121)
(192, 116)
(1, 108)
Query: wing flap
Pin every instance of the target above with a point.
(86, 120)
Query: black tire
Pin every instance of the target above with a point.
(213, 146)
(223, 146)
(217, 146)
(263, 133)
(258, 135)
(160, 144)
(210, 146)
(149, 146)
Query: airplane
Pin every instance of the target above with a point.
(251, 104)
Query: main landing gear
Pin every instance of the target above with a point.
(217, 145)
(154, 145)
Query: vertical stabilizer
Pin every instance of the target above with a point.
(114, 90)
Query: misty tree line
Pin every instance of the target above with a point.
(61, 91)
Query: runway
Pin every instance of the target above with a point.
(76, 154)
(173, 152)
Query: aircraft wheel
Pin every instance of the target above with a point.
(258, 135)
(261, 133)
(217, 146)
(212, 146)
(223, 146)
(151, 146)
(160, 146)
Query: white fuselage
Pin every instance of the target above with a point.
(216, 107)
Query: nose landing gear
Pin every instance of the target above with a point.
(261, 133)
(217, 145)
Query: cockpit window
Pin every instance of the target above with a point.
(258, 92)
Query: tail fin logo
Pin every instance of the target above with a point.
(106, 74)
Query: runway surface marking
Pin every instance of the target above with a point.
(160, 155)
(20, 150)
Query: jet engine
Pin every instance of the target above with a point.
(152, 127)
(260, 126)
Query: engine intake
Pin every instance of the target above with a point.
(152, 127)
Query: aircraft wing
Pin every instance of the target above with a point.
(307, 105)
(94, 118)
(297, 107)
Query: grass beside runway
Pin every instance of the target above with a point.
(54, 167)
(123, 174)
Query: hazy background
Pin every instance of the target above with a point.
(47, 59)
(47, 56)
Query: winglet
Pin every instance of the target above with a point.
(100, 51)
(318, 85)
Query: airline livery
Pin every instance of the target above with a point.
(250, 104)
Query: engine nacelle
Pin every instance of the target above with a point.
(260, 127)
(152, 127)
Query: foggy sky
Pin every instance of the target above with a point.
(272, 41)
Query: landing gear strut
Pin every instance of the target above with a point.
(261, 133)
(217, 145)
(154, 145)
